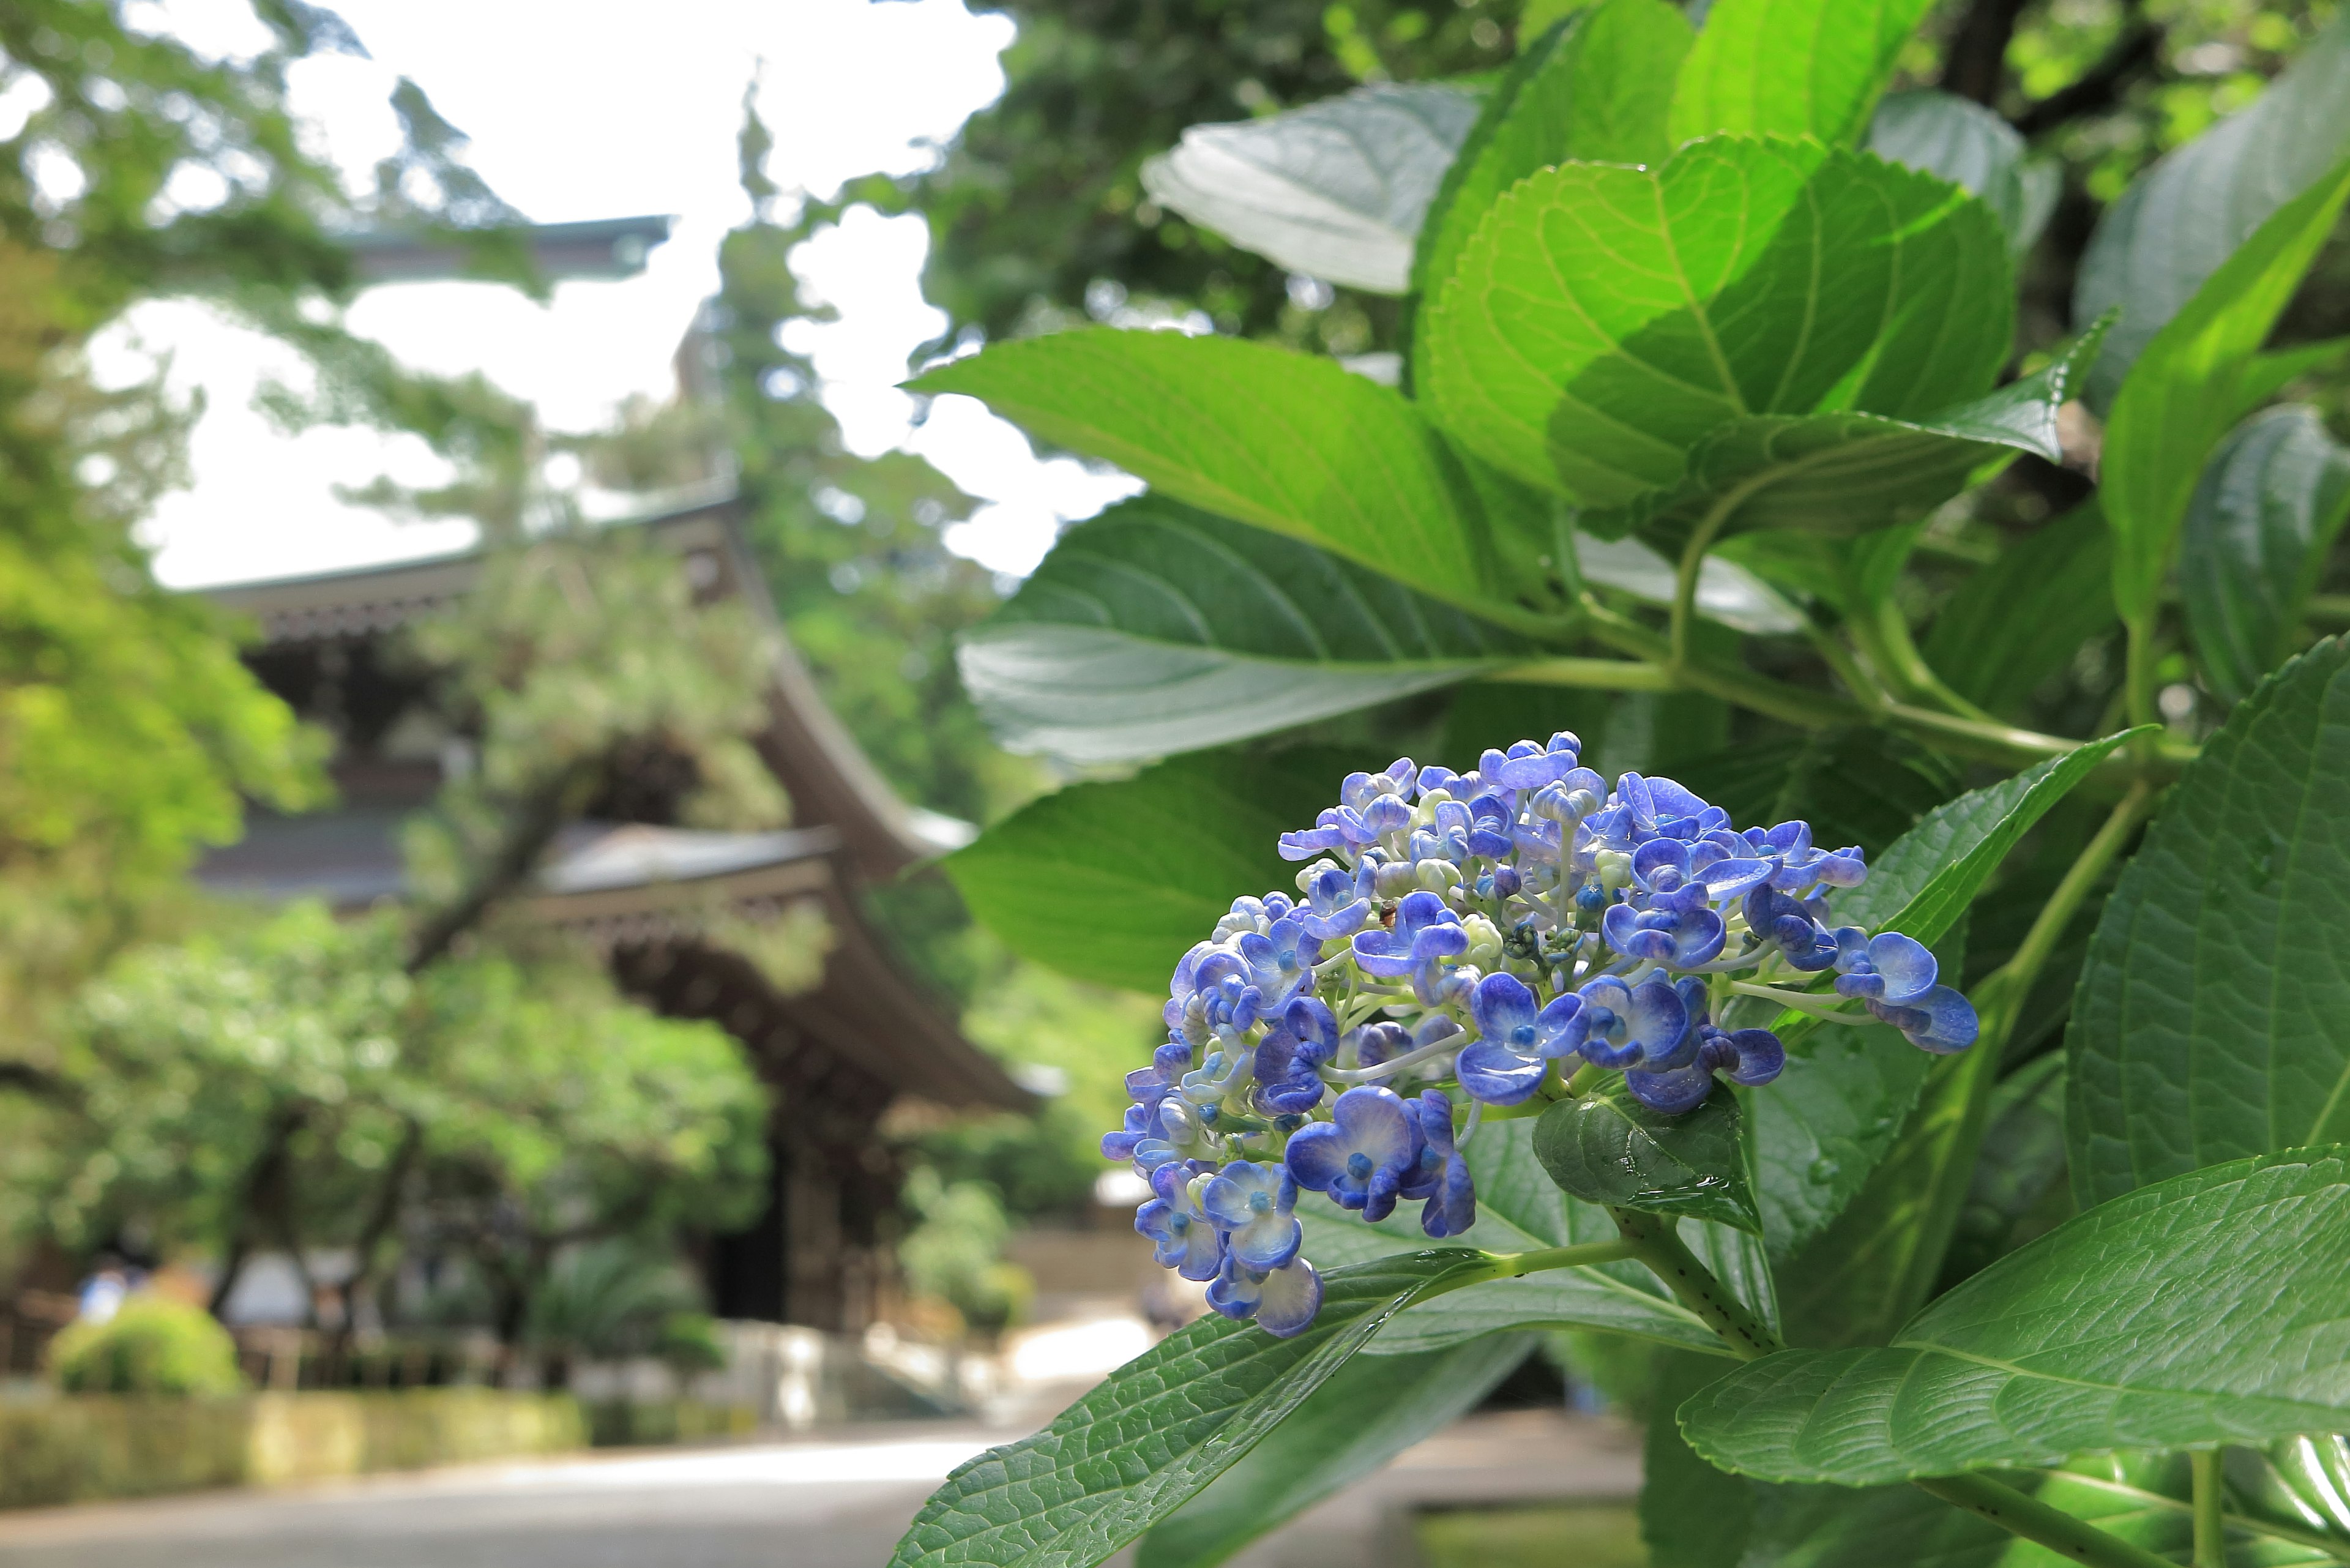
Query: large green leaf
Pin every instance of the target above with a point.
(2181, 396)
(2016, 1190)
(1608, 1149)
(1922, 886)
(1847, 473)
(1158, 628)
(2212, 1308)
(1960, 141)
(1595, 89)
(1838, 1527)
(1283, 440)
(1518, 1211)
(1691, 1515)
(1830, 1117)
(2209, 1020)
(1796, 68)
(1865, 1273)
(1371, 1410)
(2173, 228)
(1115, 882)
(2022, 619)
(2256, 536)
(1336, 190)
(1158, 1429)
(1603, 319)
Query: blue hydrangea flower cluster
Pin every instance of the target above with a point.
(1467, 941)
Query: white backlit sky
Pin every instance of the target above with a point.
(597, 108)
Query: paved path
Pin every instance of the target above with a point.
(819, 1505)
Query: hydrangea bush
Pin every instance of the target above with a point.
(1918, 1013)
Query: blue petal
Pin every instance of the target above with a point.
(1288, 1299)
(1501, 1003)
(1371, 1121)
(1904, 963)
(1943, 1021)
(1267, 1241)
(1761, 1056)
(1658, 1019)
(1452, 1208)
(1497, 1074)
(1316, 1156)
(1553, 1027)
(1672, 1093)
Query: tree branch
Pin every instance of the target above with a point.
(534, 825)
(1976, 65)
(2100, 86)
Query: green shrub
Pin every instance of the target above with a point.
(153, 1345)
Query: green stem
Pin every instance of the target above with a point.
(2028, 1517)
(1599, 674)
(2137, 682)
(1517, 1265)
(1692, 565)
(1966, 1092)
(2008, 989)
(1653, 1239)
(1888, 642)
(2210, 1529)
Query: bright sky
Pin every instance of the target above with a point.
(600, 109)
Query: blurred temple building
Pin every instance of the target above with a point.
(667, 906)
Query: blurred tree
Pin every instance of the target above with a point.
(1038, 214)
(268, 1088)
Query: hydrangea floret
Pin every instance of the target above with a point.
(1467, 945)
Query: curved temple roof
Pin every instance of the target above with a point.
(629, 884)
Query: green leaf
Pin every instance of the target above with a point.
(2212, 1308)
(1857, 1279)
(2269, 374)
(1594, 90)
(1336, 190)
(1832, 1116)
(1285, 442)
(2022, 619)
(2173, 228)
(1608, 1149)
(1158, 1429)
(2017, 1189)
(1158, 628)
(1726, 591)
(1846, 475)
(2180, 397)
(1841, 474)
(1958, 139)
(1115, 882)
(1603, 319)
(1924, 883)
(2256, 539)
(1793, 68)
(1838, 1527)
(1691, 1515)
(1518, 1211)
(1368, 1413)
(2208, 1022)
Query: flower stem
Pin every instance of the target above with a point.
(2028, 1517)
(1692, 564)
(1517, 1265)
(2210, 1530)
(2007, 990)
(1653, 1239)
